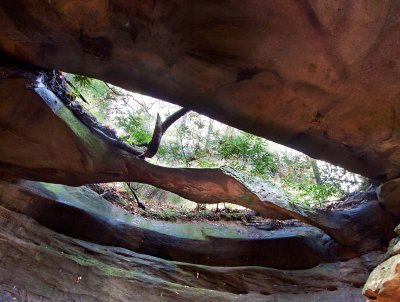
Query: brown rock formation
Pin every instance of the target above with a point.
(81, 213)
(389, 195)
(38, 264)
(321, 77)
(383, 285)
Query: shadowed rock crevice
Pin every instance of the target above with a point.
(93, 272)
(81, 213)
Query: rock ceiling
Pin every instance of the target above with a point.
(318, 76)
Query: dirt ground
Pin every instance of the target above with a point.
(222, 213)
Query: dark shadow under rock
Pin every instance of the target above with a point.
(81, 213)
(38, 264)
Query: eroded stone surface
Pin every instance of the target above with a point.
(320, 77)
(81, 213)
(389, 194)
(38, 264)
(383, 284)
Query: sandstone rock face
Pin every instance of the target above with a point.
(383, 284)
(389, 195)
(205, 262)
(81, 213)
(321, 77)
(38, 264)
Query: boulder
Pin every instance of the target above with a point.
(383, 284)
(389, 194)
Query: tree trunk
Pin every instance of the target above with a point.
(316, 172)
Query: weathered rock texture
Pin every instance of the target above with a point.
(81, 213)
(389, 195)
(318, 76)
(40, 265)
(383, 284)
(321, 77)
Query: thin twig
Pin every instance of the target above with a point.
(140, 205)
(112, 89)
(126, 103)
(76, 90)
(143, 106)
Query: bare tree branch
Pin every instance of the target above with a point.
(140, 205)
(160, 129)
(112, 89)
(141, 105)
(126, 103)
(173, 118)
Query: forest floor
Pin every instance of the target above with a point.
(222, 213)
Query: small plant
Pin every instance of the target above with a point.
(81, 80)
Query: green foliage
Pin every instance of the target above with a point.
(132, 126)
(206, 162)
(248, 153)
(193, 141)
(310, 194)
(187, 144)
(297, 176)
(81, 80)
(95, 92)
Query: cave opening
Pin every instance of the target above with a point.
(109, 194)
(197, 141)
